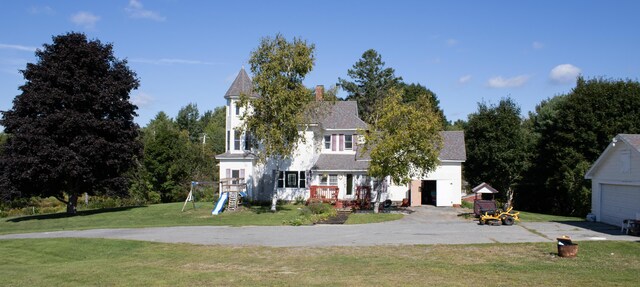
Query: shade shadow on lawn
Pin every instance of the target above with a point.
(65, 215)
(594, 226)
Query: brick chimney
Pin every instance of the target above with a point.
(319, 92)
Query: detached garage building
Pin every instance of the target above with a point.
(615, 181)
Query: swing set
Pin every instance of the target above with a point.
(191, 197)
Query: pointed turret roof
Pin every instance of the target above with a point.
(242, 84)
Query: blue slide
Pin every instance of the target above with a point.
(220, 204)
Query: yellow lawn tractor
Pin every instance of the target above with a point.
(499, 217)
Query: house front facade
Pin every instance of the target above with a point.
(330, 163)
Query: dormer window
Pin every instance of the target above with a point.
(348, 142)
(327, 142)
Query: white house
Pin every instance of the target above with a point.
(329, 163)
(615, 181)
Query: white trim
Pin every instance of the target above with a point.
(589, 174)
(618, 182)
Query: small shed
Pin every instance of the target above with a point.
(484, 188)
(615, 181)
(481, 206)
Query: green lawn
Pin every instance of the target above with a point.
(161, 215)
(539, 217)
(83, 262)
(364, 218)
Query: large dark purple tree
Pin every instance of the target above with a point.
(71, 129)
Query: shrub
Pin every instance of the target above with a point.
(313, 213)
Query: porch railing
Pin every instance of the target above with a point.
(324, 192)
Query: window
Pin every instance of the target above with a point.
(324, 179)
(327, 142)
(236, 140)
(348, 142)
(292, 179)
(333, 179)
(228, 139)
(237, 109)
(247, 141)
(235, 174)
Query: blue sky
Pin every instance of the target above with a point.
(464, 51)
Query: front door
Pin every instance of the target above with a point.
(349, 185)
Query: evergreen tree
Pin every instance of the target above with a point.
(371, 83)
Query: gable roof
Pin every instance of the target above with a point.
(453, 146)
(341, 115)
(632, 140)
(484, 188)
(241, 85)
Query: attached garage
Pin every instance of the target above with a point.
(615, 181)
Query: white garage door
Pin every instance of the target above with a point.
(619, 202)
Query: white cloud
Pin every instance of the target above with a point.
(85, 19)
(565, 73)
(464, 79)
(136, 10)
(46, 10)
(452, 42)
(537, 45)
(165, 61)
(18, 47)
(142, 100)
(500, 82)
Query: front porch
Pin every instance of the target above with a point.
(330, 194)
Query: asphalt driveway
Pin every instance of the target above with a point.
(427, 225)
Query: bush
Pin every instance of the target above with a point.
(313, 213)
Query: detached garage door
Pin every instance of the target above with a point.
(619, 202)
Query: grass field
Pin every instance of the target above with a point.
(163, 215)
(539, 217)
(82, 262)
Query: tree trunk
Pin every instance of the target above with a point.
(509, 198)
(274, 195)
(72, 204)
(376, 204)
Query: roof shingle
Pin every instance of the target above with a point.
(241, 85)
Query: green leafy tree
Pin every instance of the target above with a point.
(170, 159)
(413, 91)
(278, 68)
(404, 140)
(189, 119)
(498, 147)
(215, 131)
(72, 128)
(458, 125)
(371, 83)
(572, 131)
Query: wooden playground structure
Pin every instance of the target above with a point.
(233, 187)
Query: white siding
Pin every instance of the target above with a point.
(615, 173)
(449, 185)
